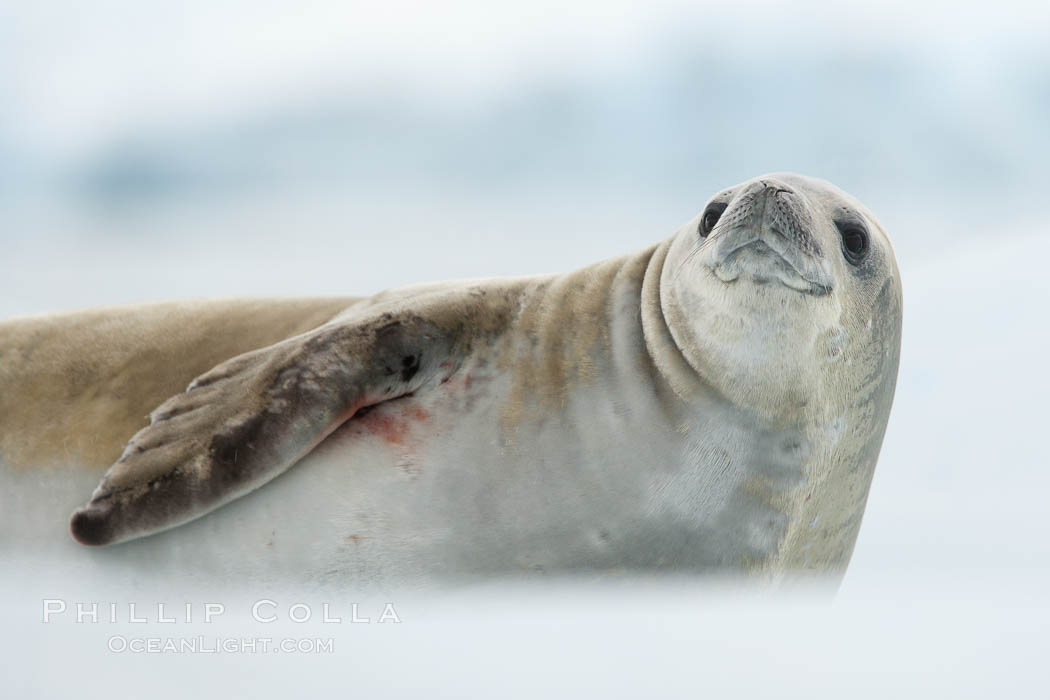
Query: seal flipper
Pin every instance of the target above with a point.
(251, 418)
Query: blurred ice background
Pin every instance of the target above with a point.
(159, 150)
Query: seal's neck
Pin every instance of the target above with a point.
(708, 350)
(671, 364)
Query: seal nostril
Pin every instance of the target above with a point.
(773, 187)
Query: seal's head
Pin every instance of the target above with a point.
(784, 298)
(784, 292)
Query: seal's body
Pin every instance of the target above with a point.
(713, 403)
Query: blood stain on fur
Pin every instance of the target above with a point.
(393, 424)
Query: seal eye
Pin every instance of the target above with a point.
(711, 216)
(854, 242)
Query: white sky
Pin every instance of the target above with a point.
(71, 73)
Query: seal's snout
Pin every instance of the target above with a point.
(768, 232)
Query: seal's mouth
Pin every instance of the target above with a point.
(757, 260)
(767, 234)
